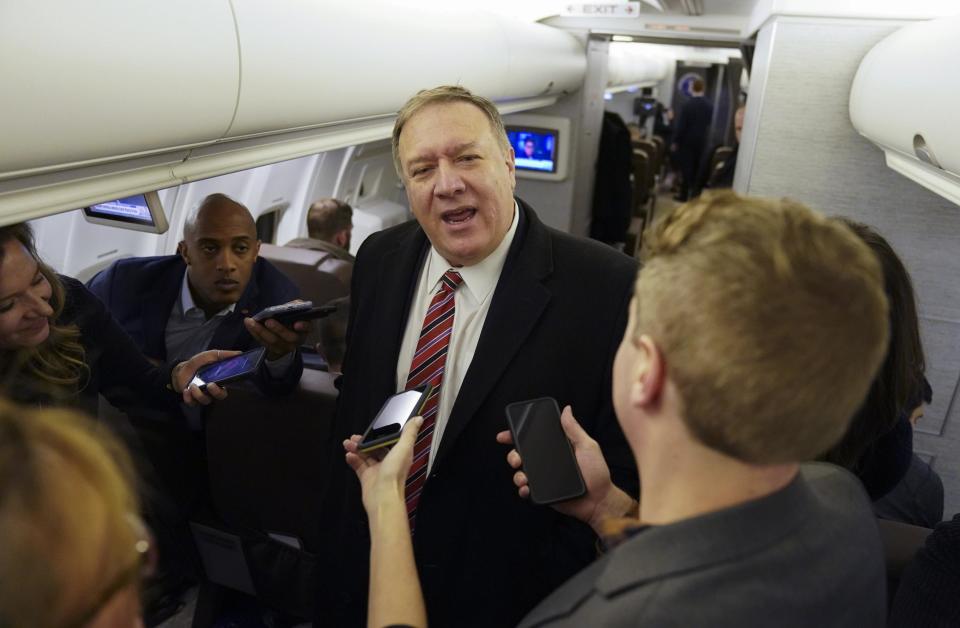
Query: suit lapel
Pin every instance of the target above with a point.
(518, 302)
(157, 305)
(398, 272)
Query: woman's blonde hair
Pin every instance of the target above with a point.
(56, 367)
(65, 507)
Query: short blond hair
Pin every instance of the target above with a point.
(441, 95)
(772, 320)
(65, 503)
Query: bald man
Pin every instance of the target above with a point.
(203, 297)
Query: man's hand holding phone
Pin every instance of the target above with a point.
(279, 339)
(603, 499)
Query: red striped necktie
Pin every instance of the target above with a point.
(427, 368)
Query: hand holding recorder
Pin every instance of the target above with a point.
(282, 328)
(184, 377)
(602, 500)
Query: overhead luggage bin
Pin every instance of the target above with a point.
(109, 99)
(905, 100)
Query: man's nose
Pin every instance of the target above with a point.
(226, 261)
(449, 181)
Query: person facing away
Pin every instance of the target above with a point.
(74, 551)
(690, 138)
(329, 227)
(203, 297)
(502, 295)
(918, 498)
(721, 394)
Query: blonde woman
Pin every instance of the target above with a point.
(73, 548)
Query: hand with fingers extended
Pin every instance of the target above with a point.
(603, 499)
(278, 339)
(182, 378)
(382, 473)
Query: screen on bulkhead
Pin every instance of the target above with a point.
(535, 149)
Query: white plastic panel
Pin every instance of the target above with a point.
(636, 65)
(100, 79)
(903, 89)
(345, 61)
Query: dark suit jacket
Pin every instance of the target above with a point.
(558, 313)
(693, 122)
(807, 555)
(140, 292)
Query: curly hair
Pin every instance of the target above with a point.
(55, 367)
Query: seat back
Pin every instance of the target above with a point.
(268, 463)
(640, 163)
(320, 276)
(653, 153)
(717, 160)
(900, 544)
(312, 271)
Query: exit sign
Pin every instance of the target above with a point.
(597, 9)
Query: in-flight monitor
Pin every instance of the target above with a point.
(142, 212)
(535, 148)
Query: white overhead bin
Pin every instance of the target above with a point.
(635, 65)
(905, 99)
(110, 98)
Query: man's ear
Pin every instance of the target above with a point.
(512, 167)
(340, 238)
(256, 250)
(183, 252)
(649, 375)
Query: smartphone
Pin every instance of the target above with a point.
(230, 370)
(548, 460)
(289, 313)
(396, 411)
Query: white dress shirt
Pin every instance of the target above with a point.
(472, 302)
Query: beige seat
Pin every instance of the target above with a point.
(316, 273)
(320, 276)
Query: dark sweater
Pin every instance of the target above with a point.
(929, 593)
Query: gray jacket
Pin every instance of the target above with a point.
(807, 555)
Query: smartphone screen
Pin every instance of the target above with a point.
(548, 460)
(389, 422)
(234, 368)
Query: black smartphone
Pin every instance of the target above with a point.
(230, 370)
(548, 460)
(289, 313)
(396, 411)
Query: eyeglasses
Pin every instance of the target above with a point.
(142, 568)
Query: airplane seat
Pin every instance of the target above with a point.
(640, 164)
(267, 466)
(320, 276)
(661, 150)
(652, 153)
(716, 162)
(900, 544)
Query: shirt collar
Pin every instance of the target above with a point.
(482, 277)
(187, 304)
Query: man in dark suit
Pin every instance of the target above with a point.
(202, 298)
(534, 313)
(690, 138)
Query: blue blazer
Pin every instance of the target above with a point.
(140, 292)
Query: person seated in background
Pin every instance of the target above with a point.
(878, 446)
(333, 335)
(721, 395)
(329, 226)
(636, 134)
(723, 178)
(73, 548)
(203, 297)
(918, 498)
